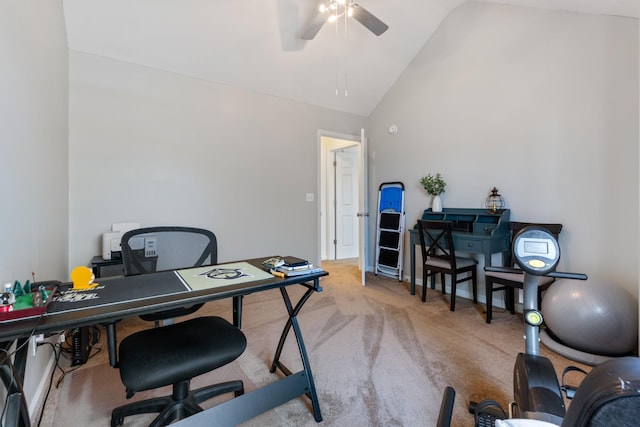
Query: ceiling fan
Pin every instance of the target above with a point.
(334, 9)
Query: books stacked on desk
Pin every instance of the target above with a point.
(290, 266)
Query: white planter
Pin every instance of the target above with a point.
(436, 204)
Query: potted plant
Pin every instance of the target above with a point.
(434, 186)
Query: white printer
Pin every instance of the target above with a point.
(111, 248)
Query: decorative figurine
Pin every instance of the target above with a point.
(36, 299)
(82, 278)
(43, 293)
(17, 289)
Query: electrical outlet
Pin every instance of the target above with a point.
(35, 340)
(310, 197)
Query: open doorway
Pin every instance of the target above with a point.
(339, 189)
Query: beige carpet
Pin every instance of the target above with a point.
(380, 357)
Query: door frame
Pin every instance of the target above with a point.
(328, 141)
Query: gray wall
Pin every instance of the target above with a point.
(160, 148)
(543, 105)
(33, 151)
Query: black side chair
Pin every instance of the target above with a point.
(508, 282)
(174, 354)
(438, 256)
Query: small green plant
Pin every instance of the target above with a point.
(434, 185)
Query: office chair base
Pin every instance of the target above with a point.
(181, 404)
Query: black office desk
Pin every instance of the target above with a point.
(60, 317)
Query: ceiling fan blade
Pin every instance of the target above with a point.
(313, 26)
(367, 19)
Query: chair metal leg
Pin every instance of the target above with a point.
(511, 299)
(489, 296)
(181, 404)
(175, 412)
(454, 283)
(424, 284)
(474, 285)
(205, 393)
(150, 406)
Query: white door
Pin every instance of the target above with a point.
(347, 203)
(363, 213)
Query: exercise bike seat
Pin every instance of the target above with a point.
(608, 396)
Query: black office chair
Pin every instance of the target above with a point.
(508, 282)
(174, 354)
(152, 249)
(438, 256)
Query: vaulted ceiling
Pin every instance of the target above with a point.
(256, 44)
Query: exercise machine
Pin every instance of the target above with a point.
(609, 395)
(537, 393)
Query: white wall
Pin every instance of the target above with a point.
(33, 151)
(160, 148)
(542, 104)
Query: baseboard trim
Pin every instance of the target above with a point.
(36, 402)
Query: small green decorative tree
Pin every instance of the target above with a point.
(17, 289)
(434, 185)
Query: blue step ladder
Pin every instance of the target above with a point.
(390, 230)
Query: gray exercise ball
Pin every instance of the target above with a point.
(594, 317)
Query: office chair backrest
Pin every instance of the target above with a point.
(436, 241)
(515, 227)
(608, 396)
(151, 249)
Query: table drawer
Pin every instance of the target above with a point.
(468, 245)
(483, 228)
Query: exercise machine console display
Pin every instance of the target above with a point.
(536, 252)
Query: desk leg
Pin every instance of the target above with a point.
(237, 312)
(112, 344)
(12, 376)
(293, 322)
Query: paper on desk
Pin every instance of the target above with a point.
(222, 275)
